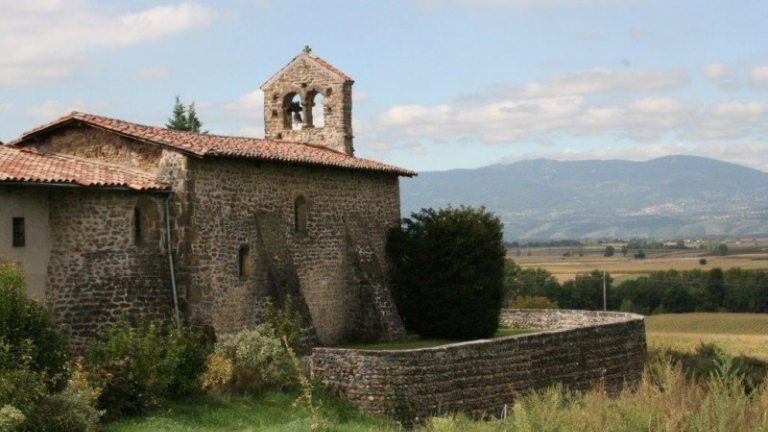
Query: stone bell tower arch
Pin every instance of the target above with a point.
(310, 101)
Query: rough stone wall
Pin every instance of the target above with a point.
(95, 144)
(97, 271)
(227, 198)
(305, 78)
(484, 376)
(553, 319)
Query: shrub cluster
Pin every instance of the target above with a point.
(259, 360)
(139, 366)
(39, 389)
(447, 272)
(28, 332)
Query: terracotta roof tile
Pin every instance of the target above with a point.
(26, 166)
(205, 145)
(328, 66)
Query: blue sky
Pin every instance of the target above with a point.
(440, 84)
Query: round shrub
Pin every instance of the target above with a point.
(28, 332)
(259, 360)
(138, 367)
(447, 272)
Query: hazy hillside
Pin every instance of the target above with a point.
(670, 196)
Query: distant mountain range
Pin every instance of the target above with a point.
(672, 196)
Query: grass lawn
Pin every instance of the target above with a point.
(274, 411)
(428, 343)
(736, 333)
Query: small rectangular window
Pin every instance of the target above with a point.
(244, 261)
(19, 238)
(137, 233)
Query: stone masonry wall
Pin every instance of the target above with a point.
(107, 147)
(97, 270)
(305, 77)
(484, 376)
(228, 198)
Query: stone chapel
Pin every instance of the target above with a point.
(110, 217)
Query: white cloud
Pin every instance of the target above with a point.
(715, 71)
(547, 120)
(50, 39)
(751, 154)
(154, 73)
(438, 3)
(6, 106)
(758, 77)
(729, 119)
(247, 107)
(52, 109)
(536, 120)
(360, 96)
(598, 81)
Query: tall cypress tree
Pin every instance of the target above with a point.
(179, 119)
(184, 118)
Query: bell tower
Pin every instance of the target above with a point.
(309, 101)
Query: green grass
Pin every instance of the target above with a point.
(427, 343)
(664, 401)
(273, 411)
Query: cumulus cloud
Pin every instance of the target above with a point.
(751, 154)
(154, 73)
(758, 77)
(50, 39)
(715, 71)
(537, 120)
(597, 81)
(360, 96)
(247, 107)
(729, 119)
(548, 120)
(52, 109)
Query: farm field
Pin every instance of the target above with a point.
(736, 333)
(565, 268)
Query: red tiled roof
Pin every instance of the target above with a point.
(205, 145)
(328, 66)
(23, 165)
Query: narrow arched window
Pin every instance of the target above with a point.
(137, 234)
(300, 215)
(313, 108)
(244, 261)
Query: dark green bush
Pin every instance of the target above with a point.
(447, 272)
(139, 366)
(28, 331)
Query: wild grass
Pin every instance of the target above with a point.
(665, 401)
(736, 334)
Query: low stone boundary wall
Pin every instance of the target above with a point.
(578, 348)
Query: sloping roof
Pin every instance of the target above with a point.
(205, 145)
(20, 165)
(330, 67)
(317, 60)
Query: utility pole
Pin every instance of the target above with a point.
(605, 297)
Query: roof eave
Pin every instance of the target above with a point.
(74, 185)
